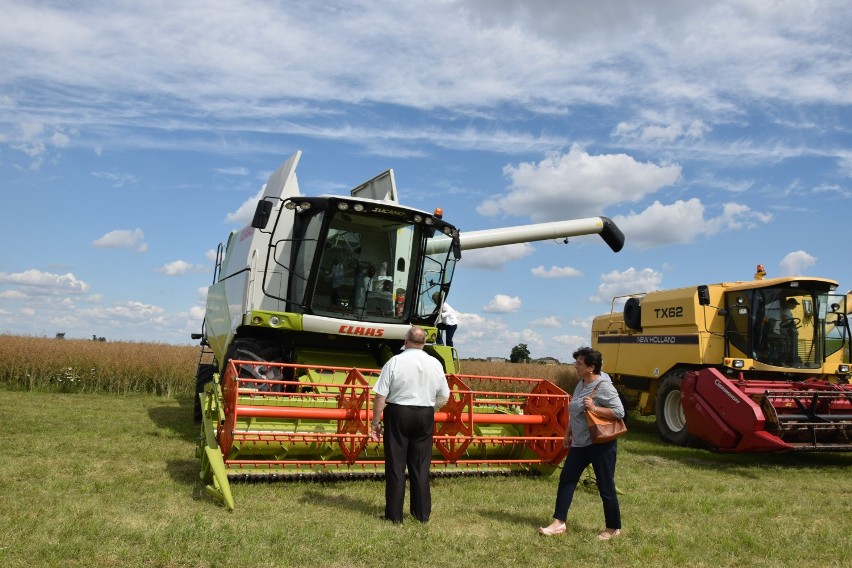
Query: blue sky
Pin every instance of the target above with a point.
(132, 136)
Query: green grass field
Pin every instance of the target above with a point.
(96, 479)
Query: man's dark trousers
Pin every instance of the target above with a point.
(408, 443)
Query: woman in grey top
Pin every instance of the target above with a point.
(583, 452)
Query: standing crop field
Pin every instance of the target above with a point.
(77, 365)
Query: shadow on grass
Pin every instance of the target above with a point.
(183, 471)
(504, 517)
(644, 442)
(176, 419)
(338, 500)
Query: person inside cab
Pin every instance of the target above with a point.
(790, 329)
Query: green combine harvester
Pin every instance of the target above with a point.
(311, 299)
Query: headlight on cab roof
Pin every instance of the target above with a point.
(300, 206)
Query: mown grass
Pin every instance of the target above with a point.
(106, 480)
(100, 471)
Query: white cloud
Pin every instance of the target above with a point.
(497, 58)
(34, 139)
(129, 310)
(238, 46)
(630, 281)
(128, 320)
(233, 171)
(197, 313)
(495, 258)
(60, 283)
(660, 132)
(473, 324)
(480, 336)
(736, 216)
(13, 295)
(581, 323)
(123, 238)
(684, 221)
(502, 304)
(533, 340)
(556, 272)
(179, 268)
(245, 212)
(577, 184)
(795, 263)
(114, 179)
(549, 321)
(528, 55)
(572, 342)
(60, 139)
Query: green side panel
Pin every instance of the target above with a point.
(444, 354)
(329, 357)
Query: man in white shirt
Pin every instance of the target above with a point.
(446, 322)
(411, 387)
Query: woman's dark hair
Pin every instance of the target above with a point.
(590, 357)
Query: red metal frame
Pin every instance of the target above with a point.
(742, 415)
(542, 411)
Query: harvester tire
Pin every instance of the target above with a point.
(671, 421)
(203, 376)
(633, 314)
(254, 350)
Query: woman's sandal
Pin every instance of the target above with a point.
(609, 533)
(547, 531)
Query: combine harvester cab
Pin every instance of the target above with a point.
(310, 300)
(743, 367)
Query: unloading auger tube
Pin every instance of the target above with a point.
(318, 426)
(603, 226)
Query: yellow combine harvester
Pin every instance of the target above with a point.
(759, 365)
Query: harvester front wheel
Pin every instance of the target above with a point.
(252, 350)
(671, 421)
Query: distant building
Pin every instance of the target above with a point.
(547, 361)
(496, 359)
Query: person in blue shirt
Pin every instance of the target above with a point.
(604, 402)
